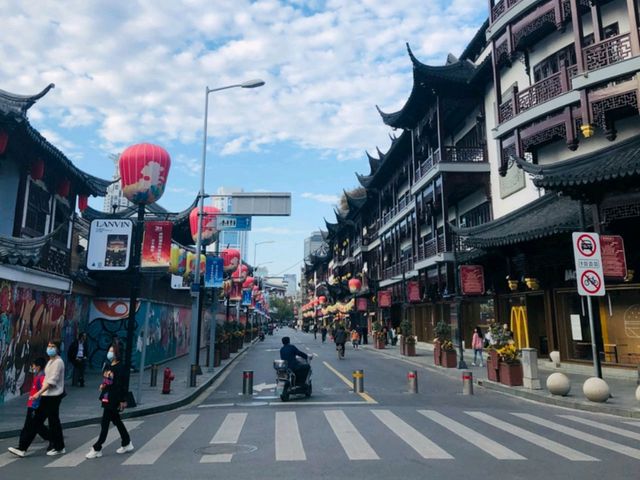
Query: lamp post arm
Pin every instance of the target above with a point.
(210, 90)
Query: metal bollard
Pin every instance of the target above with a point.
(247, 382)
(154, 375)
(193, 376)
(467, 383)
(358, 381)
(412, 376)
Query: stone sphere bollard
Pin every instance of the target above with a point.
(596, 389)
(638, 393)
(555, 358)
(558, 384)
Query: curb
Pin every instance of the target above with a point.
(149, 410)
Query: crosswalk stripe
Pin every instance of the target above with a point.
(584, 436)
(353, 443)
(538, 440)
(77, 456)
(634, 424)
(476, 439)
(288, 442)
(155, 447)
(229, 432)
(603, 426)
(8, 457)
(421, 444)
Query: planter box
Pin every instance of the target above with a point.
(379, 343)
(493, 364)
(224, 350)
(410, 349)
(449, 359)
(437, 353)
(216, 356)
(511, 374)
(233, 345)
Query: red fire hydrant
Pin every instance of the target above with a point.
(166, 382)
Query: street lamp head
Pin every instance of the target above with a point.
(252, 83)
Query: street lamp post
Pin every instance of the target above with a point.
(255, 246)
(197, 285)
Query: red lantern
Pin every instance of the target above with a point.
(37, 169)
(240, 274)
(4, 139)
(209, 229)
(143, 170)
(64, 187)
(322, 299)
(83, 202)
(354, 285)
(248, 283)
(230, 259)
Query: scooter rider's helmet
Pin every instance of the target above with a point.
(286, 340)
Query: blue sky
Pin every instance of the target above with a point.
(135, 71)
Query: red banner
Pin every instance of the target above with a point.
(362, 304)
(614, 263)
(384, 298)
(156, 246)
(472, 279)
(413, 291)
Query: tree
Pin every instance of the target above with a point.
(281, 309)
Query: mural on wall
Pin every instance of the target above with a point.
(29, 319)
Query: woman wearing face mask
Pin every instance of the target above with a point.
(50, 395)
(113, 396)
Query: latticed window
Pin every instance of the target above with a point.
(38, 209)
(476, 216)
(61, 220)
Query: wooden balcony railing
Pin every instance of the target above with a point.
(396, 209)
(56, 261)
(608, 52)
(451, 155)
(397, 269)
(501, 8)
(431, 247)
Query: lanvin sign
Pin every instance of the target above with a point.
(109, 244)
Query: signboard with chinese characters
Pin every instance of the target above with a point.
(361, 304)
(213, 272)
(235, 223)
(109, 244)
(472, 279)
(156, 245)
(413, 291)
(384, 298)
(614, 262)
(589, 274)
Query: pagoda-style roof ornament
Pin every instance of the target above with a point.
(12, 104)
(25, 251)
(354, 202)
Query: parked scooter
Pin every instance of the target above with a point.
(286, 381)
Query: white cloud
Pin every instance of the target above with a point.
(279, 231)
(321, 197)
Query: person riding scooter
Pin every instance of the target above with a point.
(289, 353)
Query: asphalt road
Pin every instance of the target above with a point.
(385, 433)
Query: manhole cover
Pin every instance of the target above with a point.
(228, 448)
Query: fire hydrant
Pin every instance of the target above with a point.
(166, 382)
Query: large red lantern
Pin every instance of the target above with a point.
(64, 188)
(37, 169)
(322, 299)
(230, 259)
(4, 139)
(354, 285)
(209, 229)
(143, 171)
(248, 283)
(240, 274)
(83, 202)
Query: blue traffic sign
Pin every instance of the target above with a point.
(233, 222)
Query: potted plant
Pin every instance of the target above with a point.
(378, 335)
(493, 362)
(408, 341)
(446, 354)
(510, 368)
(448, 358)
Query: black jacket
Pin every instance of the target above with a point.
(289, 353)
(113, 381)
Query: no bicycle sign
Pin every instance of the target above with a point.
(586, 251)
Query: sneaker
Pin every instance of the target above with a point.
(473, 364)
(93, 453)
(482, 364)
(125, 449)
(55, 453)
(17, 452)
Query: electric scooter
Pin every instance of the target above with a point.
(286, 381)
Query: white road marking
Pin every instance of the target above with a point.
(603, 426)
(218, 458)
(347, 402)
(353, 443)
(476, 439)
(8, 457)
(538, 440)
(421, 444)
(229, 431)
(159, 444)
(584, 436)
(635, 424)
(77, 456)
(288, 442)
(216, 405)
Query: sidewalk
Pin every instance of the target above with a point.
(622, 383)
(81, 406)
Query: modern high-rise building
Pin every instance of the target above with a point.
(114, 200)
(228, 239)
(291, 280)
(312, 243)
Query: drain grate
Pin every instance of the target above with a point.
(228, 448)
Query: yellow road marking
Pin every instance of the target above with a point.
(364, 395)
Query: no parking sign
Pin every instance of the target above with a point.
(588, 258)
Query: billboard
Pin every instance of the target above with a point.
(109, 244)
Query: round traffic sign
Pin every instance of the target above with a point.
(586, 245)
(591, 281)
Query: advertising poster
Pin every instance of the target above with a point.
(413, 291)
(384, 298)
(214, 272)
(109, 244)
(156, 245)
(614, 262)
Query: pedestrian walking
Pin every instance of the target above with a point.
(315, 332)
(323, 333)
(113, 395)
(49, 395)
(477, 343)
(364, 336)
(77, 356)
(37, 370)
(355, 338)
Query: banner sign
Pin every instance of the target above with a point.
(109, 244)
(246, 298)
(413, 291)
(156, 245)
(362, 304)
(178, 283)
(213, 272)
(384, 298)
(586, 252)
(614, 262)
(472, 279)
